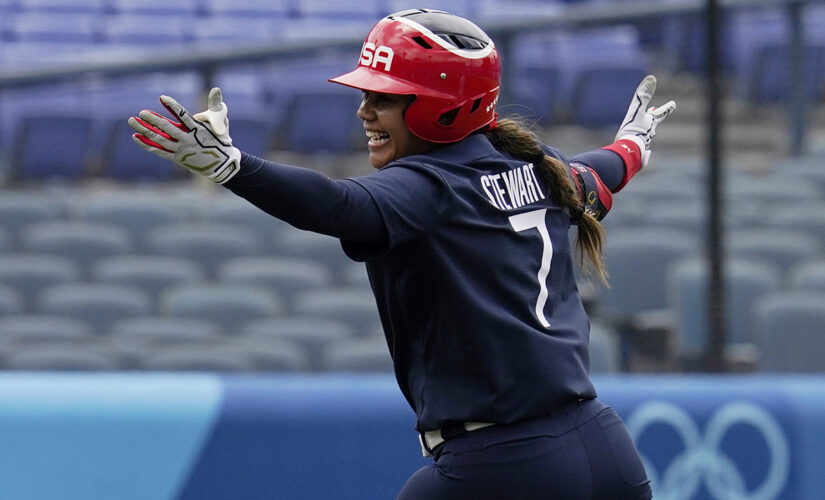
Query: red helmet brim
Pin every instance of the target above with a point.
(365, 78)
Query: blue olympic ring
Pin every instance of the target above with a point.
(703, 459)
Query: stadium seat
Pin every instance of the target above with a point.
(283, 275)
(337, 133)
(274, 355)
(789, 331)
(189, 359)
(10, 301)
(227, 305)
(79, 28)
(355, 306)
(82, 242)
(309, 245)
(605, 356)
(358, 355)
(207, 244)
(99, 304)
(808, 274)
(687, 284)
(638, 260)
(369, 11)
(313, 335)
(99, 7)
(267, 9)
(778, 247)
(234, 210)
(600, 94)
(151, 273)
(30, 273)
(134, 212)
(62, 358)
(20, 208)
(227, 29)
(810, 220)
(159, 331)
(143, 30)
(30, 329)
(66, 158)
(773, 190)
(182, 8)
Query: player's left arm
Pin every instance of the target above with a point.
(617, 163)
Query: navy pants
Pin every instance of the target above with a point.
(582, 451)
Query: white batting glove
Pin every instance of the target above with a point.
(639, 125)
(201, 143)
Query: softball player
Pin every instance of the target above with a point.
(464, 231)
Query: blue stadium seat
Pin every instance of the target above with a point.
(234, 210)
(808, 274)
(99, 304)
(31, 329)
(605, 356)
(358, 355)
(312, 334)
(366, 10)
(309, 245)
(638, 260)
(773, 190)
(66, 158)
(268, 9)
(810, 220)
(337, 133)
(64, 358)
(183, 8)
(208, 244)
(600, 95)
(148, 272)
(82, 242)
(227, 29)
(57, 27)
(160, 331)
(780, 247)
(143, 30)
(687, 284)
(30, 273)
(355, 306)
(62, 6)
(127, 209)
(789, 331)
(190, 359)
(19, 209)
(285, 276)
(228, 305)
(11, 302)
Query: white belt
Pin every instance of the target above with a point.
(430, 439)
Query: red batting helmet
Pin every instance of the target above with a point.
(447, 62)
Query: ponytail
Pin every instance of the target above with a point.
(512, 138)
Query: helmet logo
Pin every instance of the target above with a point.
(371, 56)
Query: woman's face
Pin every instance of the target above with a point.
(389, 137)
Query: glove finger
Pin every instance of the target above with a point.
(178, 111)
(151, 146)
(175, 131)
(151, 128)
(663, 111)
(641, 98)
(646, 89)
(215, 100)
(149, 133)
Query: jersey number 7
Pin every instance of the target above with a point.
(529, 220)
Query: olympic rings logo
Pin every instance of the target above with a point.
(703, 459)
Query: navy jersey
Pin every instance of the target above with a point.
(475, 287)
